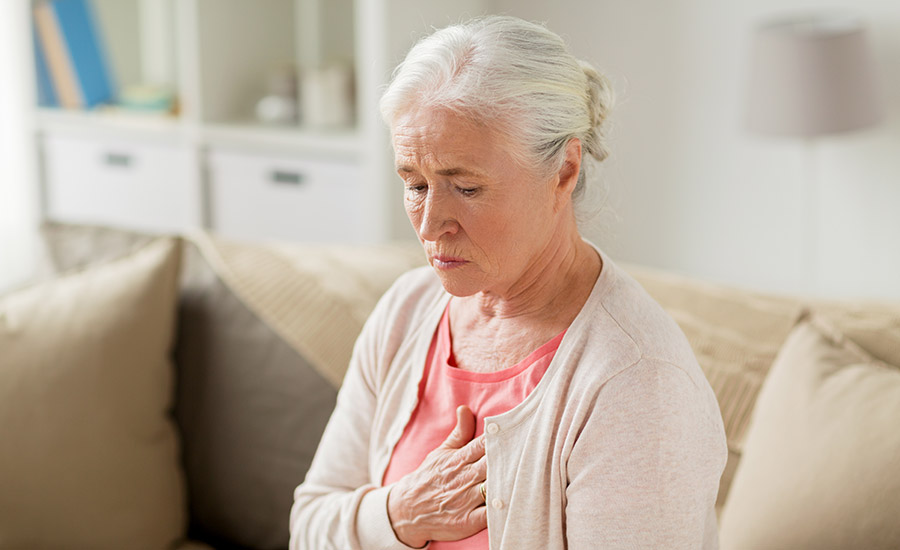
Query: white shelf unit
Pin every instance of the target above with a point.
(212, 165)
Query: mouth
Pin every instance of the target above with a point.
(447, 262)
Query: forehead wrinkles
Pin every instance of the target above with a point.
(413, 146)
(438, 139)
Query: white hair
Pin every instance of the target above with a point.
(516, 76)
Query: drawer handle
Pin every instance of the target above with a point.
(292, 178)
(120, 160)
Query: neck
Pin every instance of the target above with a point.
(566, 268)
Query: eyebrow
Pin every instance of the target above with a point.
(449, 172)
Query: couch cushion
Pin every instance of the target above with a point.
(821, 455)
(89, 455)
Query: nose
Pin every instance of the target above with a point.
(437, 217)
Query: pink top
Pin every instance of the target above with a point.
(442, 389)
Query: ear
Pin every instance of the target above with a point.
(567, 177)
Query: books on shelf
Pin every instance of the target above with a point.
(45, 89)
(70, 57)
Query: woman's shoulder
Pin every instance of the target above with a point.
(626, 329)
(643, 326)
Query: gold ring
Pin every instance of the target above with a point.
(483, 491)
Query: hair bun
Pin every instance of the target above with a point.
(600, 101)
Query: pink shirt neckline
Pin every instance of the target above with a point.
(448, 362)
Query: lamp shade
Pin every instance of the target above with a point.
(811, 76)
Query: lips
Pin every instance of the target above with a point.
(440, 261)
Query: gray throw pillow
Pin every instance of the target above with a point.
(251, 411)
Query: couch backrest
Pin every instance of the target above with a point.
(735, 333)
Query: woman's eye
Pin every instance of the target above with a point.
(468, 191)
(416, 187)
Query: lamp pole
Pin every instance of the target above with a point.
(810, 215)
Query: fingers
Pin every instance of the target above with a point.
(463, 431)
(473, 450)
(479, 471)
(474, 494)
(479, 468)
(477, 518)
(474, 476)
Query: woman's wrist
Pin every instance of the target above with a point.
(403, 527)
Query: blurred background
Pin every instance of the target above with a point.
(258, 120)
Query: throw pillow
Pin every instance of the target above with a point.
(819, 468)
(89, 455)
(71, 246)
(873, 325)
(251, 411)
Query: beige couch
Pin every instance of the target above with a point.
(164, 392)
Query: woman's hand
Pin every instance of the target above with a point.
(441, 499)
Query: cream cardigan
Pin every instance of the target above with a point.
(620, 445)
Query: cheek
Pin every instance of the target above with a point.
(490, 233)
(413, 209)
(505, 232)
(498, 225)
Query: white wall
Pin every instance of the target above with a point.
(694, 191)
(18, 210)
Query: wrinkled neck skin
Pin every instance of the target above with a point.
(556, 283)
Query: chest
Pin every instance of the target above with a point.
(486, 350)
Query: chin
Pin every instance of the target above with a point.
(457, 285)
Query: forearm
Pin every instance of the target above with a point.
(329, 518)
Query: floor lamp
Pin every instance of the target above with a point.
(811, 76)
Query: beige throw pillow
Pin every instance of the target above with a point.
(821, 462)
(89, 456)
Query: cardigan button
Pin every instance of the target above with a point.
(492, 428)
(497, 504)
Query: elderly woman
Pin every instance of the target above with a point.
(522, 391)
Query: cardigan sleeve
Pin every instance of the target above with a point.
(644, 470)
(337, 506)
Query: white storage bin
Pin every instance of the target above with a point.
(118, 182)
(280, 197)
